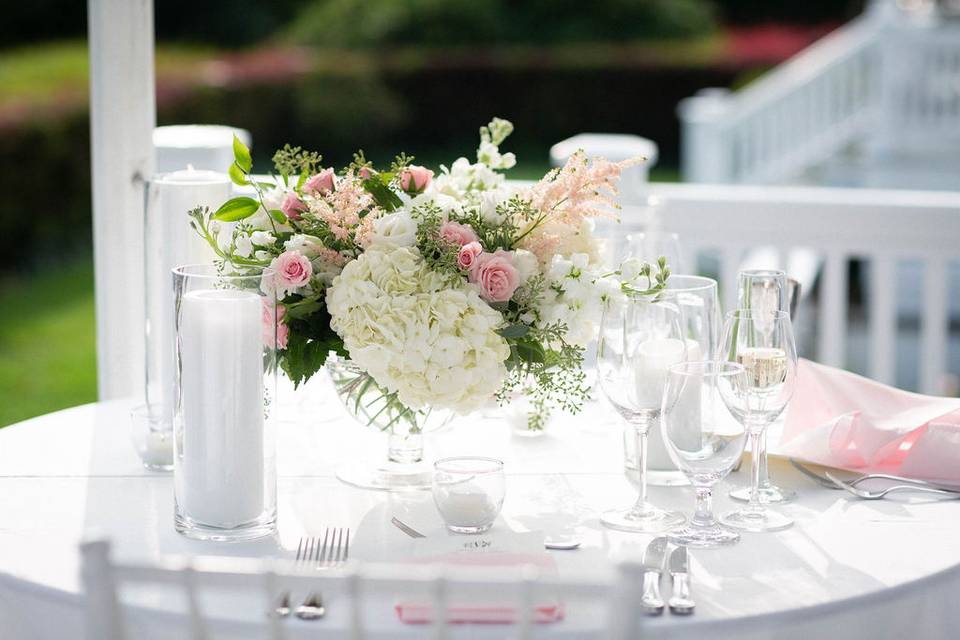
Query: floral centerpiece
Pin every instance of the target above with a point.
(443, 290)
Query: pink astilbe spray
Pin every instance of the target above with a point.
(341, 209)
(565, 197)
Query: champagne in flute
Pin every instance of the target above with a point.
(766, 367)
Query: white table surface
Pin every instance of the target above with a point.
(845, 569)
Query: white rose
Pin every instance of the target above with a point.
(397, 229)
(262, 238)
(526, 264)
(262, 256)
(307, 245)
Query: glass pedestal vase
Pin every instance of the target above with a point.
(402, 467)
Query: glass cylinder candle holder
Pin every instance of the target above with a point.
(226, 361)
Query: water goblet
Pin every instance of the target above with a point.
(640, 338)
(765, 290)
(762, 342)
(703, 438)
(650, 245)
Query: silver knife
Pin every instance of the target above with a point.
(681, 603)
(651, 602)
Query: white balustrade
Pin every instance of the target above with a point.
(836, 225)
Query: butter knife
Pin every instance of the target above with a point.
(681, 603)
(651, 602)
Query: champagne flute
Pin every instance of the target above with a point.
(703, 438)
(762, 342)
(765, 290)
(640, 338)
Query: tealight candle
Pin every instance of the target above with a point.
(468, 492)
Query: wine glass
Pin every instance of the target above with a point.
(650, 245)
(699, 304)
(761, 341)
(765, 290)
(703, 438)
(640, 338)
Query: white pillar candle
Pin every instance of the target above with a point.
(654, 357)
(687, 411)
(219, 467)
(171, 242)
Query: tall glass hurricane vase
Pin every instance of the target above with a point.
(763, 343)
(765, 290)
(225, 370)
(639, 340)
(703, 438)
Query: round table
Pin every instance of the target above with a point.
(848, 568)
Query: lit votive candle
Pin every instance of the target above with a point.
(469, 492)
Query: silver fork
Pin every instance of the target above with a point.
(829, 484)
(283, 602)
(332, 552)
(876, 495)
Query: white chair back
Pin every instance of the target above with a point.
(109, 617)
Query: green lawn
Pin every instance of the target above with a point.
(47, 347)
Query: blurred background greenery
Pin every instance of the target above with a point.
(337, 75)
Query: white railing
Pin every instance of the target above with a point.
(882, 80)
(881, 227)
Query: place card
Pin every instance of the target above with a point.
(492, 541)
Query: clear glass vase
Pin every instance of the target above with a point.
(403, 467)
(224, 462)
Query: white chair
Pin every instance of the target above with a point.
(108, 615)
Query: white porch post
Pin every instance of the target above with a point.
(122, 118)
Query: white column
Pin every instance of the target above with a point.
(704, 151)
(122, 118)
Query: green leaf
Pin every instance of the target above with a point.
(241, 155)
(278, 216)
(237, 175)
(530, 351)
(265, 185)
(236, 209)
(384, 196)
(303, 309)
(303, 178)
(514, 331)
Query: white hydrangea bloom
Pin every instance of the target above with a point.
(430, 344)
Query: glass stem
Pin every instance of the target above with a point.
(703, 516)
(755, 471)
(762, 454)
(642, 464)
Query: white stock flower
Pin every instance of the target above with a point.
(242, 246)
(397, 229)
(630, 269)
(429, 344)
(574, 295)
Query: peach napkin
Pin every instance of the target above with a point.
(840, 419)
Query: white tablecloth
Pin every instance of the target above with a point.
(848, 569)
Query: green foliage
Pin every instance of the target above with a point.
(295, 161)
(374, 23)
(236, 209)
(310, 341)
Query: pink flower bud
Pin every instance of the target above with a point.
(414, 179)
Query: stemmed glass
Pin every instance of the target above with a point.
(648, 246)
(703, 438)
(761, 341)
(764, 290)
(699, 304)
(640, 338)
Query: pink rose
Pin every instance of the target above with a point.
(273, 325)
(366, 173)
(293, 270)
(496, 275)
(456, 233)
(415, 179)
(293, 206)
(467, 257)
(320, 183)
